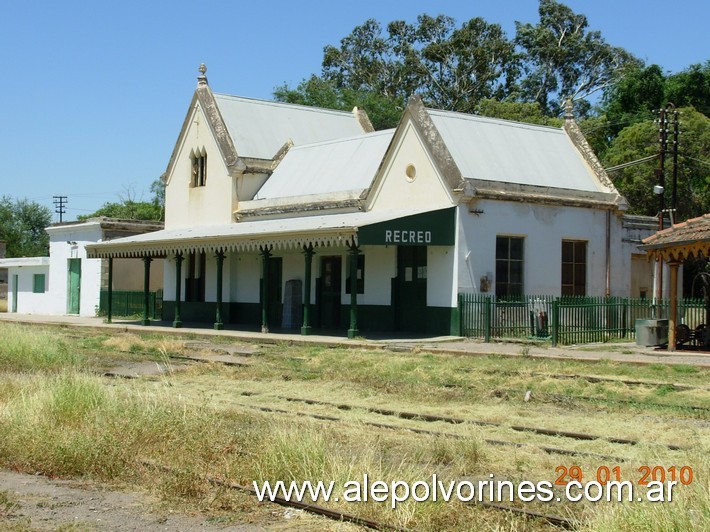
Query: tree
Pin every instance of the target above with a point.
(690, 87)
(636, 182)
(518, 111)
(384, 112)
(563, 60)
(129, 208)
(634, 97)
(451, 68)
(22, 225)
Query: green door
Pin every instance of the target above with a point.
(275, 305)
(410, 298)
(14, 293)
(331, 288)
(74, 286)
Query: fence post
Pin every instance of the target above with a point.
(555, 321)
(487, 319)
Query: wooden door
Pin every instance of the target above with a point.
(410, 305)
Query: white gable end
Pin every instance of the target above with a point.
(409, 177)
(189, 205)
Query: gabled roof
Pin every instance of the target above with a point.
(680, 241)
(512, 152)
(259, 128)
(328, 167)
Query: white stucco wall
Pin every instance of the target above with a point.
(27, 301)
(69, 242)
(543, 228)
(198, 206)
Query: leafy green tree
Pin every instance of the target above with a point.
(22, 225)
(127, 210)
(529, 112)
(690, 87)
(451, 68)
(384, 112)
(131, 209)
(563, 60)
(634, 97)
(636, 182)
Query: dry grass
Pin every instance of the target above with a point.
(63, 421)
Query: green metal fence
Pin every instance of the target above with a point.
(130, 303)
(566, 320)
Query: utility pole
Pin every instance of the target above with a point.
(59, 206)
(676, 133)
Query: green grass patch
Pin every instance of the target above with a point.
(26, 349)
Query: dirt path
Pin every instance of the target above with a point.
(29, 502)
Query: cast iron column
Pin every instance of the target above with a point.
(218, 325)
(354, 252)
(308, 256)
(265, 255)
(146, 290)
(177, 322)
(109, 303)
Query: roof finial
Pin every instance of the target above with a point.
(202, 79)
(569, 109)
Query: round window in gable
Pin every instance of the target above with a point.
(410, 172)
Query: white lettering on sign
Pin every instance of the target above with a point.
(407, 237)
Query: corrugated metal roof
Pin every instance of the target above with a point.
(326, 167)
(513, 152)
(284, 233)
(260, 128)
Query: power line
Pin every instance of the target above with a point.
(631, 163)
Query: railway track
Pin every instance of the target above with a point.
(499, 443)
(458, 421)
(336, 515)
(595, 379)
(626, 402)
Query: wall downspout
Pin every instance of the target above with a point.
(607, 291)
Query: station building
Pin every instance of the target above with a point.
(280, 216)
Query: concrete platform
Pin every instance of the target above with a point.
(618, 352)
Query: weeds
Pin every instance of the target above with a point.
(23, 349)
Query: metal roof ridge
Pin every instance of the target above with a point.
(362, 136)
(500, 121)
(274, 103)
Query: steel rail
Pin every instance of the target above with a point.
(311, 508)
(500, 443)
(459, 421)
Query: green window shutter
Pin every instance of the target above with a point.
(38, 285)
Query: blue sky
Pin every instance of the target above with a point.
(95, 92)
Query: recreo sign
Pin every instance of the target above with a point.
(434, 228)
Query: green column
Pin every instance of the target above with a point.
(146, 290)
(354, 252)
(177, 322)
(109, 303)
(265, 256)
(218, 324)
(308, 257)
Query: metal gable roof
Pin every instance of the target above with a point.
(327, 167)
(512, 152)
(260, 128)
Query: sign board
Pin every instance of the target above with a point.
(435, 228)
